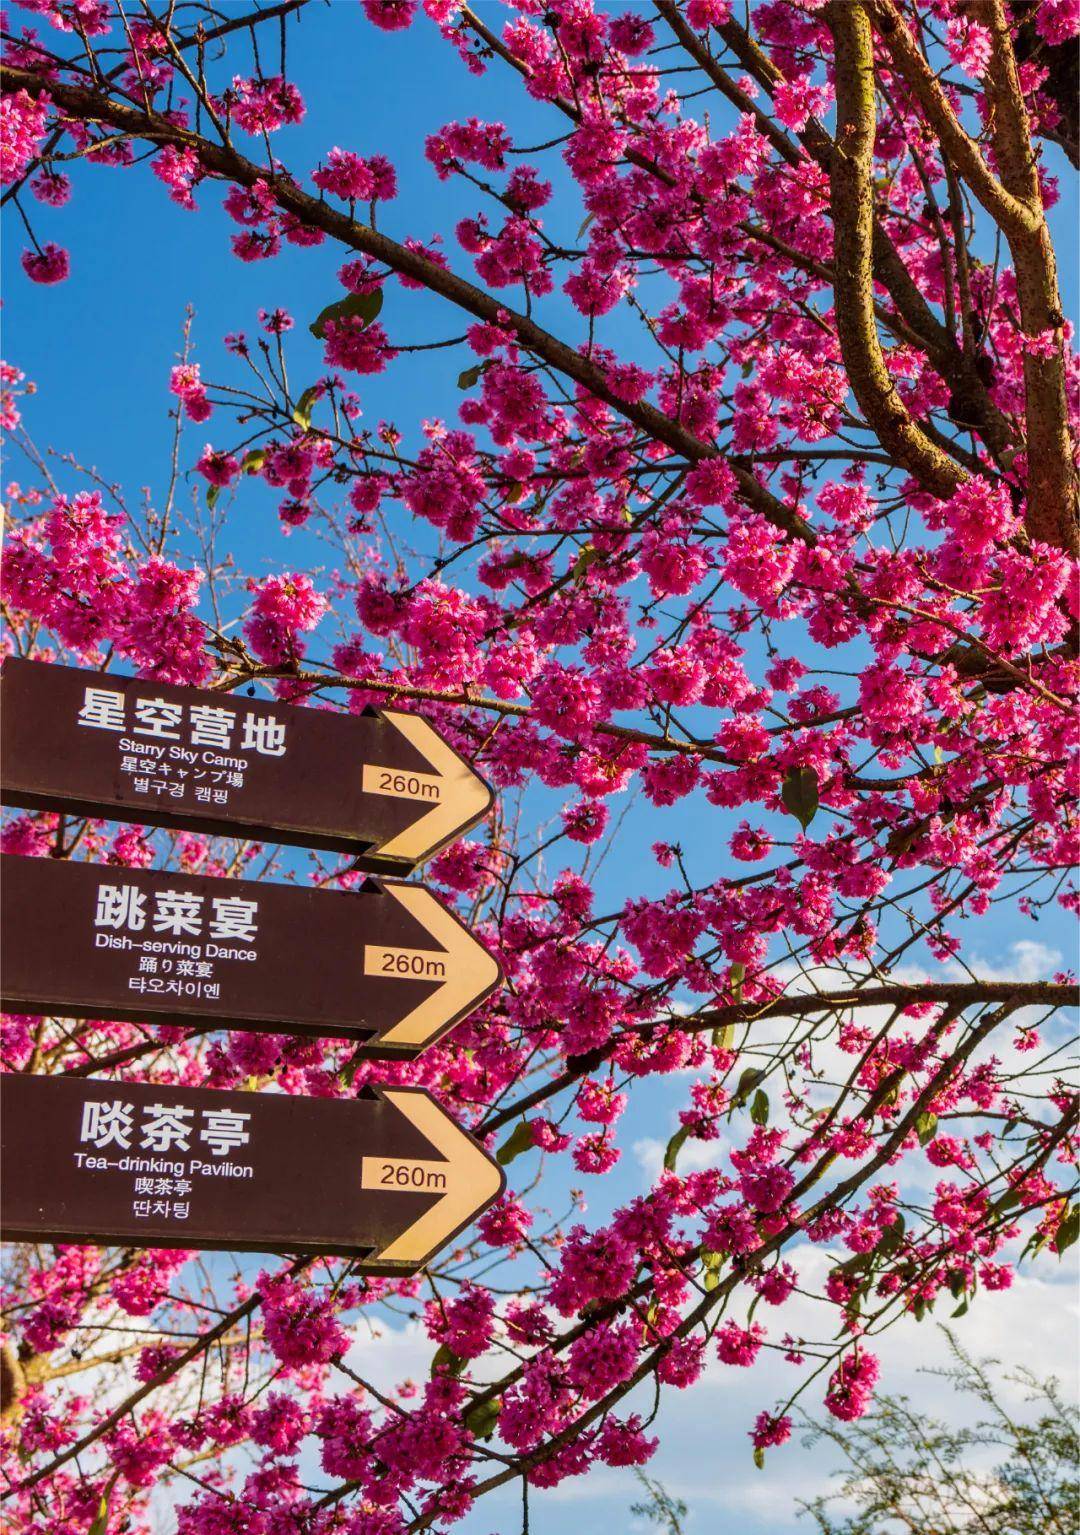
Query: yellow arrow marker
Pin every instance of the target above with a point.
(470, 1178)
(457, 796)
(466, 970)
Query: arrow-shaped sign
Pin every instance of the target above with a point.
(388, 965)
(388, 1177)
(384, 785)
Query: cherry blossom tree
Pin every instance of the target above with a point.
(761, 500)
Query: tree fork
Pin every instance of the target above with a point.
(852, 204)
(1015, 203)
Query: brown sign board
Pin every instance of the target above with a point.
(383, 786)
(387, 965)
(388, 1177)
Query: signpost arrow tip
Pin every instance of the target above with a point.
(459, 796)
(468, 1180)
(468, 973)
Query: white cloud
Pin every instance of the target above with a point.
(1027, 960)
(693, 1156)
(389, 1355)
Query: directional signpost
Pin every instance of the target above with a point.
(388, 1178)
(383, 786)
(388, 965)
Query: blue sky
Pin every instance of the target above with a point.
(99, 348)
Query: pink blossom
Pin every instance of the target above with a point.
(180, 170)
(464, 1325)
(739, 1345)
(357, 346)
(768, 1430)
(263, 106)
(390, 15)
(851, 1385)
(299, 1323)
(22, 127)
(625, 1444)
(50, 264)
(51, 187)
(218, 468)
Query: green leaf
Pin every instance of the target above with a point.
(894, 1235)
(724, 1039)
(101, 1519)
(1068, 1231)
(304, 406)
(747, 1082)
(759, 1109)
(738, 976)
(446, 1362)
(364, 305)
(674, 1146)
(212, 496)
(586, 221)
(521, 1140)
(713, 1262)
(1035, 1244)
(481, 1419)
(926, 1128)
(961, 1310)
(253, 460)
(759, 1457)
(471, 376)
(587, 557)
(800, 794)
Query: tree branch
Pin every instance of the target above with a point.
(131, 1401)
(1052, 486)
(852, 203)
(1015, 203)
(90, 104)
(971, 402)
